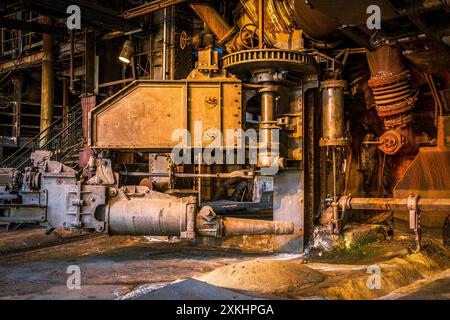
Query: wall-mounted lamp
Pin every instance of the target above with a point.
(127, 52)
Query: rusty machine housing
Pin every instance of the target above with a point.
(320, 116)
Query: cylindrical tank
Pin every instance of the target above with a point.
(140, 211)
(148, 212)
(333, 128)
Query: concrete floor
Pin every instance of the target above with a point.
(34, 266)
(110, 266)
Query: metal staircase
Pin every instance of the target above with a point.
(64, 137)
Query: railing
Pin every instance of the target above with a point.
(61, 141)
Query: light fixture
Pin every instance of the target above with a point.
(127, 52)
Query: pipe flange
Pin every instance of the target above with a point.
(340, 142)
(269, 88)
(344, 202)
(391, 142)
(338, 84)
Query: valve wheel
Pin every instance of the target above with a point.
(184, 38)
(247, 34)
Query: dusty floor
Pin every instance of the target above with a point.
(34, 266)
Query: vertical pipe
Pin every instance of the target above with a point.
(150, 46)
(47, 81)
(65, 103)
(267, 114)
(164, 54)
(267, 106)
(71, 60)
(17, 82)
(171, 44)
(89, 63)
(199, 179)
(261, 23)
(150, 60)
(334, 175)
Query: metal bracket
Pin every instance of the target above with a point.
(187, 222)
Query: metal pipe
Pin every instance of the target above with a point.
(185, 175)
(150, 7)
(261, 23)
(267, 106)
(199, 179)
(241, 226)
(72, 69)
(164, 62)
(394, 204)
(333, 129)
(394, 99)
(424, 7)
(47, 80)
(213, 20)
(113, 83)
(267, 115)
(334, 176)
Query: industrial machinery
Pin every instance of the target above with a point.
(49, 192)
(294, 113)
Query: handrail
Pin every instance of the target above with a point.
(62, 131)
(45, 133)
(74, 123)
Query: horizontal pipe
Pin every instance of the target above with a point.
(149, 8)
(241, 226)
(184, 175)
(394, 204)
(113, 83)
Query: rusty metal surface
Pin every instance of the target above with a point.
(22, 62)
(430, 59)
(443, 138)
(155, 109)
(240, 226)
(427, 175)
(213, 20)
(352, 12)
(297, 62)
(394, 99)
(333, 113)
(400, 204)
(281, 25)
(47, 81)
(390, 83)
(140, 211)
